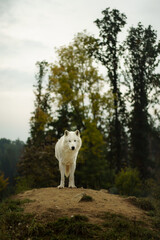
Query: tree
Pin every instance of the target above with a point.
(41, 116)
(10, 152)
(107, 51)
(38, 166)
(128, 182)
(142, 51)
(76, 85)
(3, 185)
(92, 168)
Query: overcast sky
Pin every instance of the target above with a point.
(29, 32)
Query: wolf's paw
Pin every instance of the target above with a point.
(60, 186)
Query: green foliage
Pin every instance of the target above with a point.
(107, 53)
(3, 184)
(141, 61)
(38, 168)
(109, 27)
(77, 85)
(153, 189)
(92, 165)
(128, 182)
(120, 227)
(93, 140)
(76, 227)
(142, 203)
(23, 184)
(10, 152)
(12, 221)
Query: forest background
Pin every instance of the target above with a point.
(117, 113)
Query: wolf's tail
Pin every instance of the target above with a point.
(67, 170)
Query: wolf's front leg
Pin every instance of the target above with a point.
(71, 176)
(62, 171)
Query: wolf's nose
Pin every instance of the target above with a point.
(73, 148)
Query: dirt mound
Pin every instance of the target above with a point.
(52, 203)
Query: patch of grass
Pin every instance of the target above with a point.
(152, 208)
(143, 203)
(120, 227)
(86, 198)
(15, 225)
(12, 220)
(12, 205)
(76, 227)
(81, 218)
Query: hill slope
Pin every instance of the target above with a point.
(52, 203)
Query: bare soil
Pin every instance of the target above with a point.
(52, 203)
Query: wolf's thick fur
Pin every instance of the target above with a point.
(66, 151)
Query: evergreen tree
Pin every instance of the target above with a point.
(38, 167)
(142, 51)
(107, 51)
(3, 185)
(10, 152)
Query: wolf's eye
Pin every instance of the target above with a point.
(74, 140)
(69, 140)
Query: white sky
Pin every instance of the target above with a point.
(29, 32)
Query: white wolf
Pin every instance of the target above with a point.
(66, 151)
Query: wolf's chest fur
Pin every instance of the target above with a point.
(68, 157)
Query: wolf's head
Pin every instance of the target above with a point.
(72, 140)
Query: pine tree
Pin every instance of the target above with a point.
(108, 54)
(10, 152)
(142, 51)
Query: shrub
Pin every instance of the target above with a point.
(143, 203)
(153, 188)
(128, 182)
(23, 184)
(3, 184)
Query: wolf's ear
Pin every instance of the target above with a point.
(66, 133)
(77, 132)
